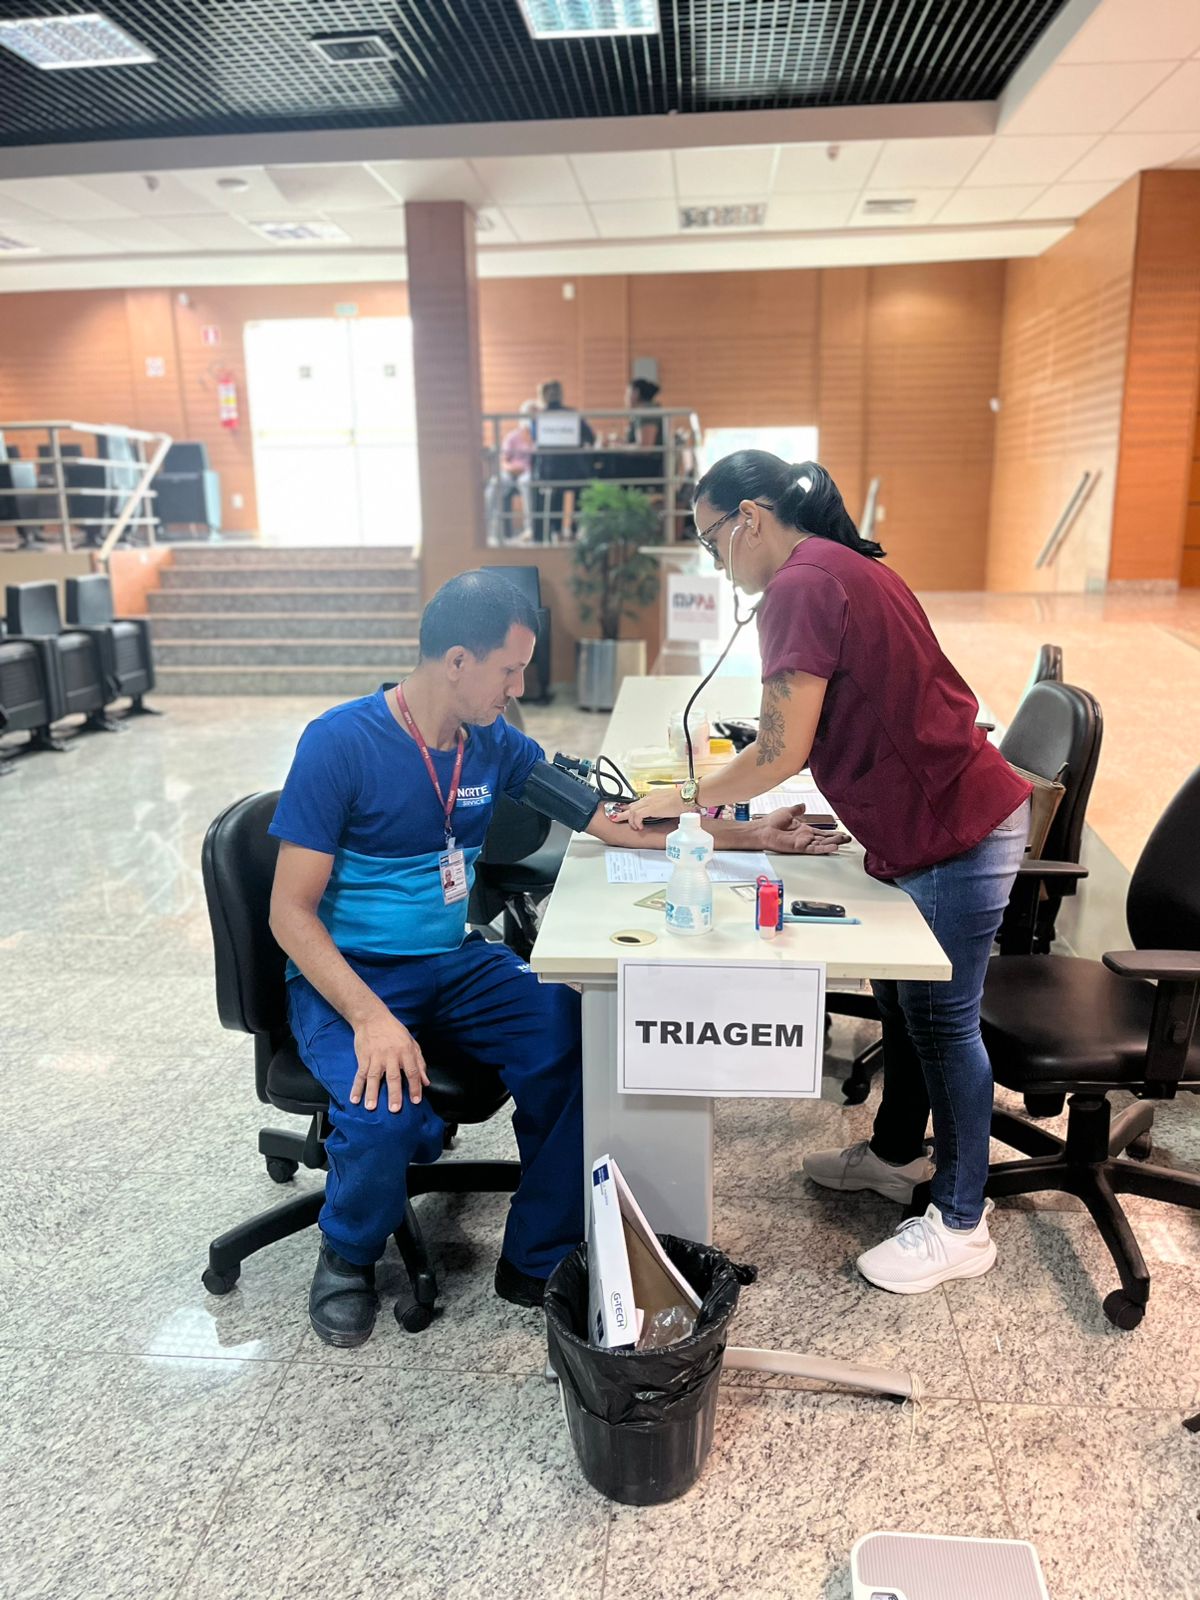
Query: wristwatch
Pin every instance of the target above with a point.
(689, 793)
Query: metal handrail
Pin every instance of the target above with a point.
(135, 504)
(1058, 534)
(498, 423)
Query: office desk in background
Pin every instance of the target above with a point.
(664, 1144)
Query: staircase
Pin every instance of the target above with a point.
(245, 620)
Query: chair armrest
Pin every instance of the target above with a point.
(1173, 966)
(1176, 1007)
(1069, 871)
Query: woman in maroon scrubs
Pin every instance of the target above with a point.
(856, 686)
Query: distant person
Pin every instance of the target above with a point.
(558, 429)
(516, 469)
(645, 430)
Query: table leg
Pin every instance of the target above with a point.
(664, 1143)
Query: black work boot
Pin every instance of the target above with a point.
(517, 1287)
(342, 1301)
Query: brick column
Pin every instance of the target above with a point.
(443, 303)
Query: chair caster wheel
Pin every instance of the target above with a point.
(855, 1093)
(415, 1319)
(1121, 1311)
(281, 1169)
(1142, 1147)
(220, 1282)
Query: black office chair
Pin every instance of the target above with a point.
(187, 490)
(1048, 667)
(125, 642)
(1057, 1025)
(74, 656)
(1056, 733)
(238, 862)
(527, 579)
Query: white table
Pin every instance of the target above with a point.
(664, 1143)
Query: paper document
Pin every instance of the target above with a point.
(796, 792)
(652, 866)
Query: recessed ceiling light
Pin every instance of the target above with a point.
(588, 19)
(352, 49)
(301, 232)
(86, 40)
(738, 216)
(233, 185)
(888, 208)
(14, 247)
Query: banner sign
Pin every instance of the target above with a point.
(693, 608)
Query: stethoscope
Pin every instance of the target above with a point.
(740, 622)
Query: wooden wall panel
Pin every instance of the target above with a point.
(842, 381)
(1062, 374)
(1158, 419)
(933, 344)
(65, 356)
(529, 332)
(1189, 575)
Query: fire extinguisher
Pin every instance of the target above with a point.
(227, 400)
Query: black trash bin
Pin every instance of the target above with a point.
(641, 1421)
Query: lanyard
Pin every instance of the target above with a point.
(447, 804)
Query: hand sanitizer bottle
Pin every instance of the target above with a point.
(689, 891)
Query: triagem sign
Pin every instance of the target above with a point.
(707, 1028)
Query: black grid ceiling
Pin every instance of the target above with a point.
(245, 66)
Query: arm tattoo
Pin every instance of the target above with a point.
(771, 728)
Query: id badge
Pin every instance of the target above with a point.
(452, 870)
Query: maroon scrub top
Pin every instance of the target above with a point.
(897, 753)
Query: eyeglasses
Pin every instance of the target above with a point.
(705, 539)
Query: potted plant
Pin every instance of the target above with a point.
(612, 580)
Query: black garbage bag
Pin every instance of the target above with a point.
(641, 1421)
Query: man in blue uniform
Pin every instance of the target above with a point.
(381, 820)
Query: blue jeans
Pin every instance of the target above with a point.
(933, 1054)
(477, 1004)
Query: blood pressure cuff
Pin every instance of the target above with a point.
(560, 796)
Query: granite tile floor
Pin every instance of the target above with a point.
(157, 1443)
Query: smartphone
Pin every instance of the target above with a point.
(817, 908)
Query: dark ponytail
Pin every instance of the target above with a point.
(803, 496)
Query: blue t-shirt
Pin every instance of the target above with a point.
(358, 790)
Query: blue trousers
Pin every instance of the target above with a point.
(931, 1030)
(479, 1004)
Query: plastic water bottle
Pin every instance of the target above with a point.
(689, 891)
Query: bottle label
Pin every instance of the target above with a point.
(698, 853)
(688, 917)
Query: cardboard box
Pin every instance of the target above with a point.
(630, 1277)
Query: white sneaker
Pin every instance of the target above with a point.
(860, 1168)
(924, 1252)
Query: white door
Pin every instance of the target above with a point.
(334, 427)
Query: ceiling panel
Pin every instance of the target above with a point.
(139, 234)
(1028, 160)
(431, 180)
(988, 205)
(1068, 199)
(215, 233)
(931, 163)
(346, 187)
(150, 194)
(65, 239)
(1174, 106)
(63, 199)
(797, 212)
(527, 180)
(739, 170)
(226, 66)
(380, 229)
(1137, 30)
(805, 167)
(535, 224)
(1118, 155)
(491, 227)
(629, 175)
(634, 219)
(1086, 99)
(258, 198)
